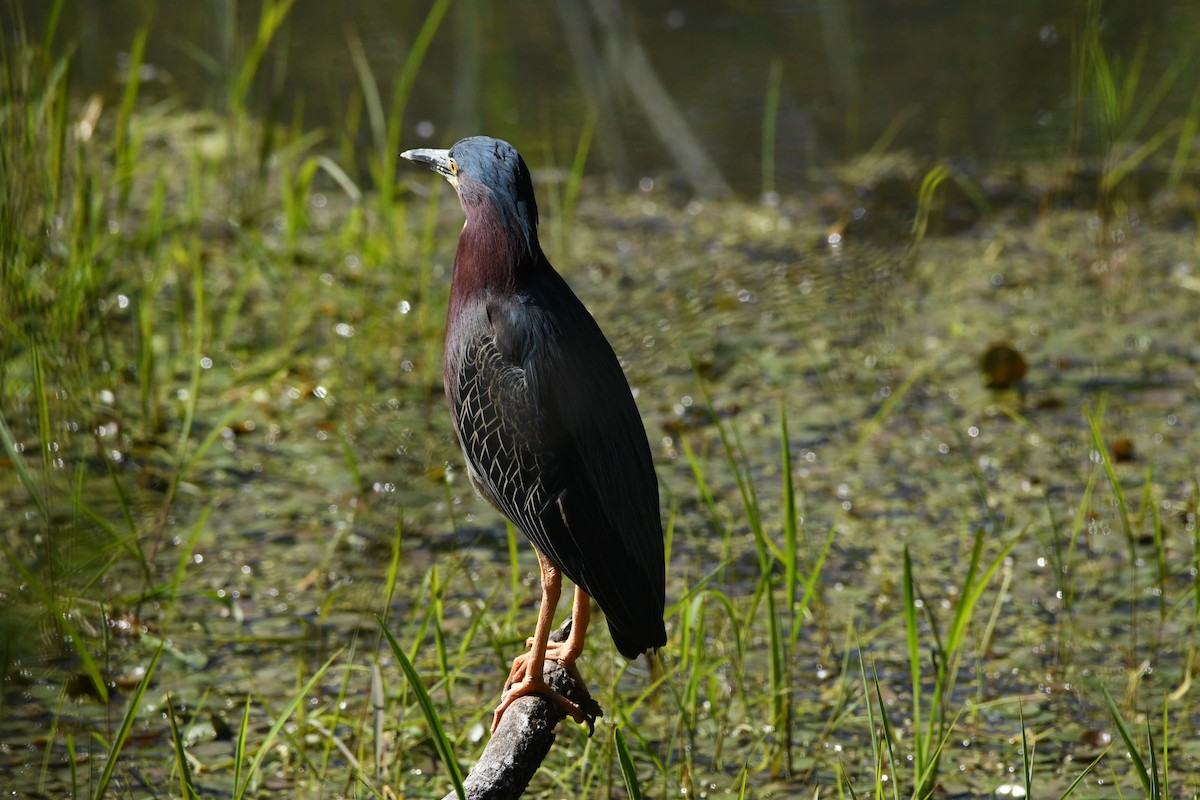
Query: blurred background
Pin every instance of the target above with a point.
(674, 87)
(906, 291)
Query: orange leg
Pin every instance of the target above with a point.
(526, 674)
(566, 653)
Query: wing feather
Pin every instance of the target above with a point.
(553, 439)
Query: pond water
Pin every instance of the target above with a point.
(964, 81)
(328, 450)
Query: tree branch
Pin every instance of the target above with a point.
(525, 735)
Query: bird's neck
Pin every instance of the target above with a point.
(492, 258)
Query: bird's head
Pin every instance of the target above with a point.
(490, 177)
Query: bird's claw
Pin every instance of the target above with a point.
(584, 710)
(591, 711)
(583, 713)
(520, 666)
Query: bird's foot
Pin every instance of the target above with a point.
(540, 687)
(584, 709)
(520, 667)
(556, 652)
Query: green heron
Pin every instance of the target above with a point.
(546, 420)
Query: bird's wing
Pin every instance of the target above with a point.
(500, 430)
(574, 447)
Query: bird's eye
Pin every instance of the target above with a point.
(453, 167)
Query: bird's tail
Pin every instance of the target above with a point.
(643, 638)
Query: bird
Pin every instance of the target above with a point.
(547, 422)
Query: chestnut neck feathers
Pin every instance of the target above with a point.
(498, 247)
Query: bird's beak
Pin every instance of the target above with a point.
(437, 160)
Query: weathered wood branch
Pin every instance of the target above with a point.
(524, 737)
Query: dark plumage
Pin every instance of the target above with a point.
(547, 422)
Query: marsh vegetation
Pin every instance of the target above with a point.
(898, 565)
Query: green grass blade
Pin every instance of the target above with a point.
(575, 178)
(45, 433)
(239, 746)
(1164, 789)
(885, 409)
(73, 758)
(920, 742)
(369, 87)
(52, 25)
(894, 127)
(125, 146)
(888, 735)
(182, 562)
(186, 785)
(281, 720)
(1026, 755)
(1110, 472)
(1150, 103)
(1149, 783)
(416, 55)
(929, 185)
(386, 165)
(1079, 778)
(351, 463)
(1156, 784)
(971, 591)
(871, 725)
(26, 478)
(131, 542)
(441, 742)
(1114, 483)
(1116, 172)
(770, 119)
(62, 618)
(1160, 552)
(393, 573)
(810, 586)
(118, 742)
(334, 170)
(627, 770)
(1186, 141)
(274, 13)
(791, 533)
(735, 457)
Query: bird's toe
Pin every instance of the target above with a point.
(528, 686)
